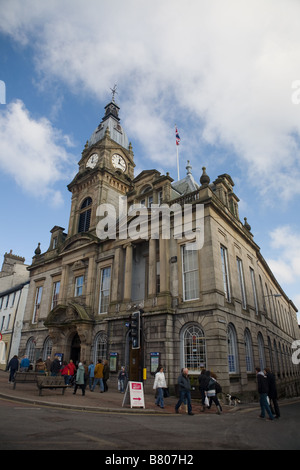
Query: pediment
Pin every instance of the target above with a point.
(77, 241)
(69, 313)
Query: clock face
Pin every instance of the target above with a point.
(92, 161)
(118, 162)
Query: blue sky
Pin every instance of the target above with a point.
(225, 72)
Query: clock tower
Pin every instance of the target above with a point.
(106, 171)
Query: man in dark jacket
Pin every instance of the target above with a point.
(105, 375)
(272, 393)
(13, 366)
(262, 387)
(55, 367)
(185, 391)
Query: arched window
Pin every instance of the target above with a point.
(232, 350)
(47, 349)
(147, 200)
(281, 361)
(194, 349)
(146, 188)
(100, 347)
(248, 351)
(85, 215)
(269, 310)
(261, 351)
(277, 368)
(270, 353)
(285, 359)
(262, 293)
(30, 349)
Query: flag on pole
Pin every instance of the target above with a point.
(177, 136)
(177, 143)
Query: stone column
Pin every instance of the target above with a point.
(90, 289)
(116, 279)
(128, 273)
(62, 296)
(164, 265)
(152, 268)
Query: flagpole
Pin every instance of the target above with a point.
(177, 163)
(177, 145)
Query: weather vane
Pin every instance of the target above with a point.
(114, 92)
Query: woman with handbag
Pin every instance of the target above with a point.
(203, 385)
(212, 393)
(160, 384)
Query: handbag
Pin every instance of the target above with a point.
(166, 392)
(206, 401)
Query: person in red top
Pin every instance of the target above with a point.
(65, 372)
(72, 368)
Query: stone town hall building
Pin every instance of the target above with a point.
(218, 307)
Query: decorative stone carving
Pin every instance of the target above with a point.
(63, 315)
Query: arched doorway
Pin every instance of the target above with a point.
(75, 349)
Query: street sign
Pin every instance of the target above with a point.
(136, 394)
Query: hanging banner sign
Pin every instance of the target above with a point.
(136, 394)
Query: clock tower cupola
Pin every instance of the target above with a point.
(106, 170)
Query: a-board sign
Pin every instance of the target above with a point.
(135, 393)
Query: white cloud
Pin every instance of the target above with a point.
(32, 152)
(285, 265)
(226, 67)
(281, 268)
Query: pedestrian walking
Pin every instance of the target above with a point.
(122, 379)
(185, 391)
(65, 372)
(203, 385)
(105, 375)
(272, 393)
(263, 388)
(159, 385)
(91, 369)
(48, 363)
(40, 366)
(86, 374)
(212, 393)
(80, 380)
(13, 366)
(24, 365)
(72, 369)
(55, 367)
(98, 376)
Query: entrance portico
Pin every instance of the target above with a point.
(70, 328)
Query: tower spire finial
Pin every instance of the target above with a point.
(114, 92)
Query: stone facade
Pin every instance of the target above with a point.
(14, 286)
(218, 307)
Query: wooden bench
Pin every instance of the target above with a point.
(51, 383)
(26, 377)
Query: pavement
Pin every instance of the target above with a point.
(111, 401)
